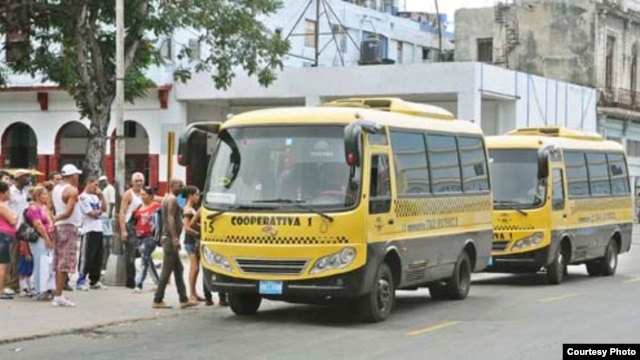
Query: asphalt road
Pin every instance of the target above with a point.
(505, 317)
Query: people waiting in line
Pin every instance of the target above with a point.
(72, 232)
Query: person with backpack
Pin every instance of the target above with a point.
(145, 218)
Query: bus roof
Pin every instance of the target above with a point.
(343, 115)
(534, 138)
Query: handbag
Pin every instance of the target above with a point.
(26, 231)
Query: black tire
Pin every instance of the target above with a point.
(594, 268)
(609, 263)
(558, 267)
(243, 304)
(377, 305)
(438, 291)
(459, 284)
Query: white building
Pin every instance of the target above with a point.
(498, 99)
(40, 125)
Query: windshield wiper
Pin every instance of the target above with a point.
(512, 207)
(296, 203)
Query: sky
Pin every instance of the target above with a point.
(446, 6)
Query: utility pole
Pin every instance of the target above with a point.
(316, 36)
(116, 267)
(120, 141)
(439, 32)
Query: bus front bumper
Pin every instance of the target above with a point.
(346, 285)
(527, 262)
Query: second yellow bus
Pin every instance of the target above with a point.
(561, 197)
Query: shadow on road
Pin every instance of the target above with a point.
(340, 316)
(525, 280)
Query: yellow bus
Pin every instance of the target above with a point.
(344, 202)
(561, 197)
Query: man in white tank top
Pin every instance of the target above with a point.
(130, 202)
(67, 220)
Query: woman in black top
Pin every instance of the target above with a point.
(192, 242)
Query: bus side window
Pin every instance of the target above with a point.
(558, 190)
(380, 189)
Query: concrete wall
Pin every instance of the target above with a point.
(556, 37)
(471, 25)
(627, 34)
(498, 99)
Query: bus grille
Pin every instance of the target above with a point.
(499, 245)
(267, 266)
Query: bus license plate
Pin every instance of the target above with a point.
(271, 287)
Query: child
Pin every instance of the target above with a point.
(25, 269)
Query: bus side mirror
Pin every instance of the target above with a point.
(194, 133)
(352, 133)
(543, 161)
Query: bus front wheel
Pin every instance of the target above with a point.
(558, 268)
(243, 304)
(377, 305)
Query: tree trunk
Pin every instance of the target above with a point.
(93, 163)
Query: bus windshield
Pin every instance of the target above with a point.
(281, 167)
(514, 174)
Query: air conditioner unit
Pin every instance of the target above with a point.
(371, 51)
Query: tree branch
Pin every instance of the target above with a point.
(136, 33)
(82, 63)
(96, 52)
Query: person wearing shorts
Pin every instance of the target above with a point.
(8, 221)
(68, 220)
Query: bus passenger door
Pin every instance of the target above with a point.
(559, 207)
(380, 220)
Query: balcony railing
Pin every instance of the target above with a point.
(619, 98)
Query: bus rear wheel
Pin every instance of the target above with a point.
(607, 265)
(610, 260)
(243, 304)
(377, 305)
(459, 284)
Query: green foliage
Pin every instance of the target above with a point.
(72, 43)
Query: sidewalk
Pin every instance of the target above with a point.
(25, 319)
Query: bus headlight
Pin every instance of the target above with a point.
(529, 241)
(338, 260)
(214, 259)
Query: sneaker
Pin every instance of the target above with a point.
(8, 291)
(98, 286)
(67, 287)
(26, 293)
(137, 290)
(6, 296)
(62, 302)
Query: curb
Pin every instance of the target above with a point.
(84, 329)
